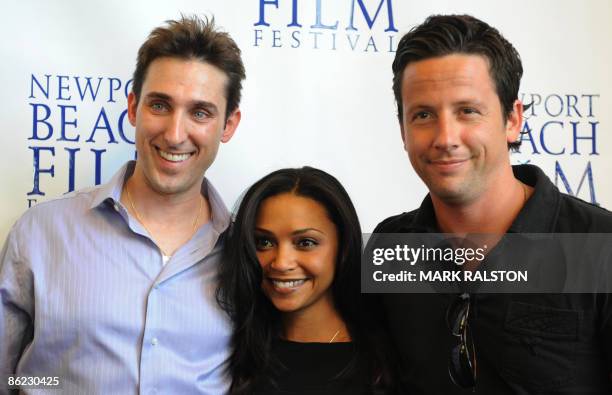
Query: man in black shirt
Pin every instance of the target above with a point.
(456, 82)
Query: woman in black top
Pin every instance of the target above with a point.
(290, 280)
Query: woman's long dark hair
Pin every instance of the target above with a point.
(256, 321)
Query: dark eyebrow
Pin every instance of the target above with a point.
(158, 95)
(295, 232)
(420, 107)
(208, 106)
(426, 107)
(300, 231)
(470, 102)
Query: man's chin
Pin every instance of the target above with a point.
(169, 187)
(451, 195)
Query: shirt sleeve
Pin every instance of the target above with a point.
(16, 307)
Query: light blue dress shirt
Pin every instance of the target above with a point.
(85, 297)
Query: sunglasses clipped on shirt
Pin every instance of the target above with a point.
(462, 361)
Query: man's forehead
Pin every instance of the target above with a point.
(457, 75)
(185, 79)
(192, 70)
(462, 68)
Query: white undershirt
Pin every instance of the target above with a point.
(165, 259)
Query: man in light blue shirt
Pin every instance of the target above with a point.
(111, 290)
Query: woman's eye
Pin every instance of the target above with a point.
(306, 243)
(262, 243)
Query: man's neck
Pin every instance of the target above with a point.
(492, 212)
(158, 207)
(170, 219)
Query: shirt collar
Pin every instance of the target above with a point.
(541, 211)
(220, 215)
(111, 192)
(425, 218)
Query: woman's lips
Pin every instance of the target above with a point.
(287, 285)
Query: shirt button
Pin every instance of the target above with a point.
(116, 206)
(154, 341)
(156, 286)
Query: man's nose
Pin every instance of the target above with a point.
(447, 136)
(175, 132)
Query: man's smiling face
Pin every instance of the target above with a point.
(453, 127)
(180, 121)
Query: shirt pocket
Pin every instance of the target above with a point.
(539, 349)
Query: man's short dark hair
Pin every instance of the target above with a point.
(442, 35)
(193, 38)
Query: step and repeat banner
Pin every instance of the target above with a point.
(318, 92)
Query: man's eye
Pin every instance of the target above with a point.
(469, 111)
(200, 114)
(306, 243)
(262, 243)
(158, 107)
(421, 115)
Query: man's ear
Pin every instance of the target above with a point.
(131, 110)
(230, 125)
(403, 135)
(514, 122)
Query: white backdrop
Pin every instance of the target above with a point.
(318, 94)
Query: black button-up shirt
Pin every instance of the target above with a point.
(525, 343)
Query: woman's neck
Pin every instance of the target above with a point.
(317, 324)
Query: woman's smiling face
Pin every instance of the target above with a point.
(297, 247)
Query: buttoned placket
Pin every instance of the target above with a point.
(153, 344)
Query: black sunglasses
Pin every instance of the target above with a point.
(462, 363)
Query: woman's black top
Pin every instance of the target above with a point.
(315, 369)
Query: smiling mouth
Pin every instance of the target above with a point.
(448, 166)
(446, 162)
(173, 157)
(287, 284)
